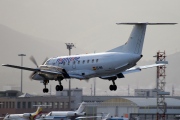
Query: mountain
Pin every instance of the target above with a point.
(14, 43)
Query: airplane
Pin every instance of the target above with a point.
(108, 65)
(78, 112)
(24, 116)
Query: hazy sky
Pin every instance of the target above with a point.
(90, 24)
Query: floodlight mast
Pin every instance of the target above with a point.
(21, 69)
(69, 47)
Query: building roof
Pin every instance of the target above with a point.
(26, 95)
(153, 101)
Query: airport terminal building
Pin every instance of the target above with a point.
(127, 106)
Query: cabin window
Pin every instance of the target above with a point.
(83, 61)
(92, 60)
(97, 60)
(68, 62)
(87, 61)
(78, 62)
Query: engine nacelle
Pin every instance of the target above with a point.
(26, 115)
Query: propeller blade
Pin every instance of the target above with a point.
(34, 61)
(45, 60)
(32, 74)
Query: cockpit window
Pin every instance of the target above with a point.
(47, 62)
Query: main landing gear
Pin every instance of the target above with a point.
(45, 90)
(113, 86)
(59, 87)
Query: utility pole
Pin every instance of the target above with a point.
(69, 47)
(21, 69)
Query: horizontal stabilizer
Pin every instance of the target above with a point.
(144, 23)
(138, 69)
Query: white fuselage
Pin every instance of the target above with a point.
(61, 113)
(15, 117)
(94, 65)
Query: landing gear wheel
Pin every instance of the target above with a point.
(111, 87)
(59, 87)
(45, 90)
(114, 87)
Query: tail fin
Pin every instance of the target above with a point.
(136, 39)
(81, 107)
(36, 114)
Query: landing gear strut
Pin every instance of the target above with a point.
(45, 90)
(113, 86)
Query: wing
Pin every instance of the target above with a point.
(34, 69)
(138, 69)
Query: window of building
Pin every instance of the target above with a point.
(50, 105)
(3, 104)
(29, 104)
(45, 104)
(33, 104)
(6, 104)
(66, 105)
(18, 104)
(55, 104)
(23, 104)
(61, 105)
(13, 106)
(39, 103)
(9, 104)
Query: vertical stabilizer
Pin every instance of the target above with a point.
(81, 107)
(136, 39)
(37, 114)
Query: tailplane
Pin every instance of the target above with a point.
(136, 39)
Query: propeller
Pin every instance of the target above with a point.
(34, 61)
(45, 60)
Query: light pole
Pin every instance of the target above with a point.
(21, 69)
(69, 47)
